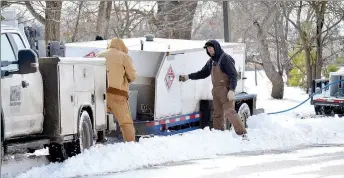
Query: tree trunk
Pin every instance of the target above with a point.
(284, 46)
(270, 70)
(77, 22)
(107, 18)
(52, 20)
(174, 19)
(320, 8)
(308, 62)
(100, 18)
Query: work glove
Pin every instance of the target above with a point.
(183, 78)
(230, 95)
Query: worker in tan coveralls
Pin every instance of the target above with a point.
(121, 73)
(221, 67)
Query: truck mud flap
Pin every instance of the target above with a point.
(169, 126)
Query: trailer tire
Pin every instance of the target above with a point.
(244, 112)
(85, 136)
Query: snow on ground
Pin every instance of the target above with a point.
(279, 131)
(292, 96)
(306, 162)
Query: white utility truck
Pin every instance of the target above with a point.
(55, 102)
(161, 104)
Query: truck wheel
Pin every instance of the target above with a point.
(57, 152)
(2, 152)
(317, 110)
(244, 112)
(324, 110)
(85, 136)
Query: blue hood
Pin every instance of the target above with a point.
(217, 48)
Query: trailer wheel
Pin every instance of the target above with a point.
(85, 136)
(244, 112)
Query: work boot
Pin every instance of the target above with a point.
(128, 132)
(245, 137)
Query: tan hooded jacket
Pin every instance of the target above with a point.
(120, 67)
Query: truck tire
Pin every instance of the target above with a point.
(85, 136)
(57, 152)
(3, 147)
(324, 110)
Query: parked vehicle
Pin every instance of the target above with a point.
(55, 102)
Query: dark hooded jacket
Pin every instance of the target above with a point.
(227, 66)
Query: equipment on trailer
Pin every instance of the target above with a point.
(160, 104)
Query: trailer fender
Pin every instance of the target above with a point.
(249, 99)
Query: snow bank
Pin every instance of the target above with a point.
(280, 131)
(265, 132)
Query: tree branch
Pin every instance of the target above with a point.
(254, 62)
(34, 13)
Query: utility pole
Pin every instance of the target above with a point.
(226, 21)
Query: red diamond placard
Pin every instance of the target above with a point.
(169, 77)
(92, 54)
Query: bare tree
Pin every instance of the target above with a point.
(77, 21)
(174, 19)
(107, 18)
(100, 18)
(275, 76)
(314, 19)
(127, 17)
(51, 21)
(320, 8)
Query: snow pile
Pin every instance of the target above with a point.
(265, 132)
(281, 131)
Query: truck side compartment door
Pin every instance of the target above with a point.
(84, 88)
(67, 99)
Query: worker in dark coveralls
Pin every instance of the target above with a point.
(221, 67)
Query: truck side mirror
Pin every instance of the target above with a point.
(27, 61)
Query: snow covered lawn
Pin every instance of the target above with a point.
(281, 131)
